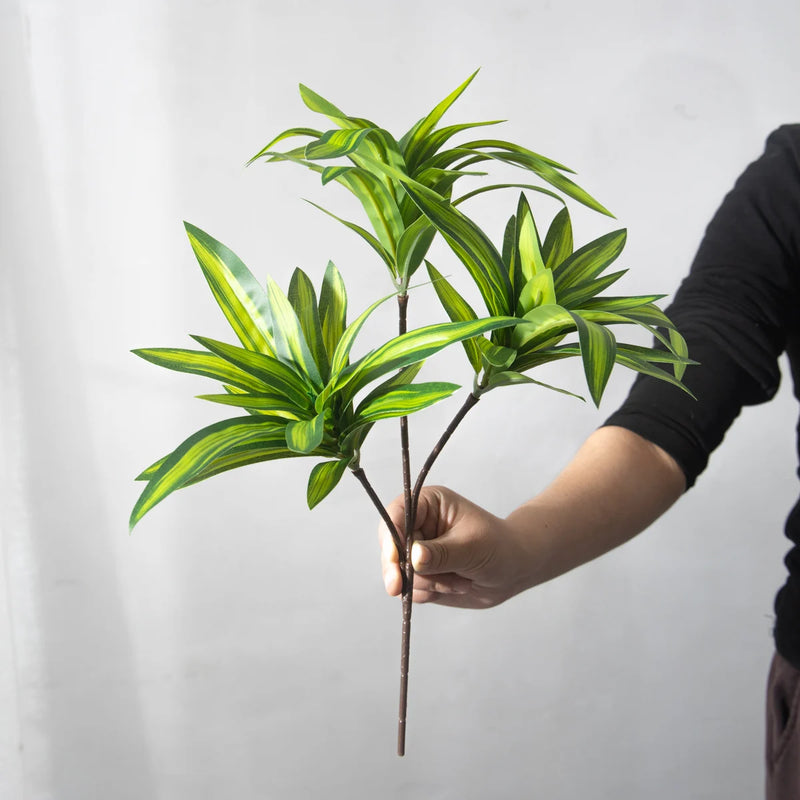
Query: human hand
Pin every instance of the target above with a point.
(462, 555)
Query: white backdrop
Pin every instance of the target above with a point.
(238, 645)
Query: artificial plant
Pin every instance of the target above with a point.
(292, 372)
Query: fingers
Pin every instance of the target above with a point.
(390, 566)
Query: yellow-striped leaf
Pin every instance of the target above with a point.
(199, 362)
(538, 291)
(196, 453)
(264, 404)
(271, 372)
(589, 261)
(512, 378)
(342, 352)
(558, 243)
(305, 436)
(332, 308)
(412, 247)
(628, 357)
(458, 309)
(402, 401)
(438, 138)
(320, 105)
(323, 480)
(598, 352)
(411, 347)
(238, 293)
(290, 342)
(336, 143)
(364, 234)
(471, 245)
(541, 325)
(414, 140)
(530, 246)
(303, 300)
(583, 294)
(495, 356)
(280, 137)
(378, 203)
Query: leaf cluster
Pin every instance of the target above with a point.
(293, 376)
(553, 290)
(378, 169)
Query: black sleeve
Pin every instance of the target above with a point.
(734, 309)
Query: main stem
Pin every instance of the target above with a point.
(405, 556)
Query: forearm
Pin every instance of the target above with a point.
(616, 486)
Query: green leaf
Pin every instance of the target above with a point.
(243, 456)
(679, 347)
(628, 357)
(271, 404)
(413, 346)
(539, 290)
(402, 401)
(589, 261)
(378, 203)
(529, 186)
(544, 323)
(238, 293)
(305, 436)
(511, 257)
(342, 352)
(458, 309)
(303, 300)
(290, 342)
(438, 138)
(541, 166)
(355, 438)
(598, 351)
(415, 138)
(471, 245)
(617, 305)
(198, 362)
(323, 480)
(493, 355)
(649, 316)
(271, 372)
(336, 143)
(280, 137)
(196, 453)
(510, 149)
(270, 446)
(332, 308)
(558, 243)
(584, 294)
(364, 234)
(511, 378)
(529, 245)
(320, 105)
(412, 247)
(401, 378)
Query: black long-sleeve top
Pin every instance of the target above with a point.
(739, 309)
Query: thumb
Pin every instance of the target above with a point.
(438, 555)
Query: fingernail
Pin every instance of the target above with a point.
(420, 555)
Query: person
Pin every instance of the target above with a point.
(739, 310)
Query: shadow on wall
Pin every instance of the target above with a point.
(77, 687)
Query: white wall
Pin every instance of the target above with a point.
(238, 645)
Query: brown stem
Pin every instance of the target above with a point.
(411, 501)
(360, 474)
(434, 454)
(407, 570)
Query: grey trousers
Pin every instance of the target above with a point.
(783, 731)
